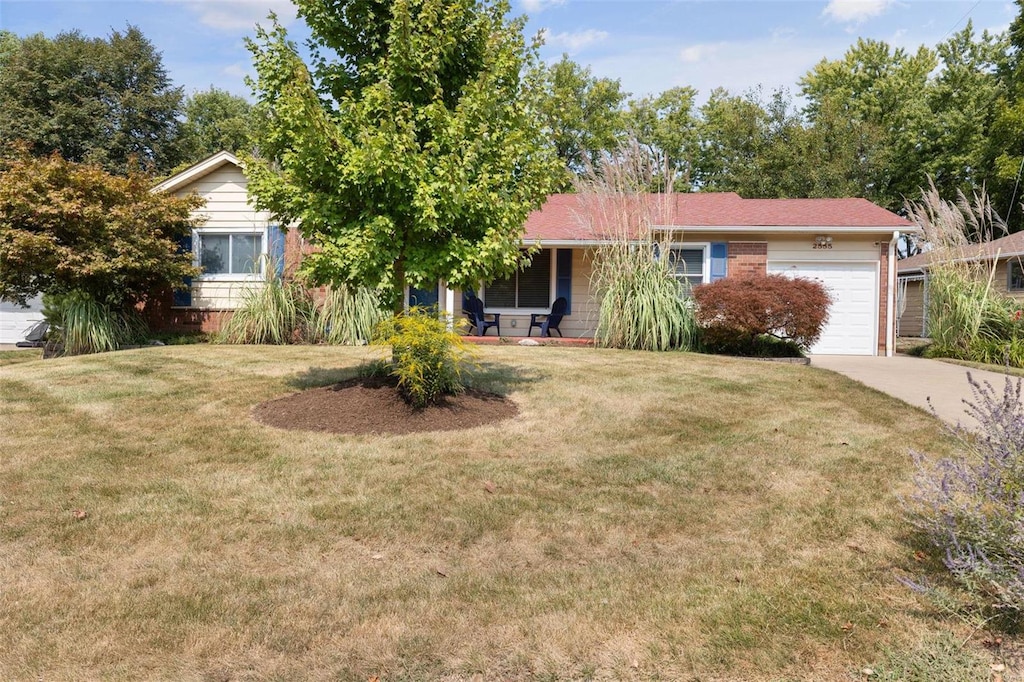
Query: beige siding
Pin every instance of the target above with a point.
(220, 295)
(911, 323)
(844, 248)
(227, 204)
(227, 208)
(1001, 281)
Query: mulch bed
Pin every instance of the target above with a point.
(373, 405)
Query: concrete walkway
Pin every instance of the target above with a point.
(915, 380)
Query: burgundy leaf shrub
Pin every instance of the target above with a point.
(736, 312)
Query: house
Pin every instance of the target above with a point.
(17, 320)
(1005, 254)
(848, 244)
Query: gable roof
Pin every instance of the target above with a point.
(570, 217)
(196, 171)
(1010, 246)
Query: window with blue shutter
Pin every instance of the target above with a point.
(276, 237)
(183, 297)
(719, 260)
(563, 277)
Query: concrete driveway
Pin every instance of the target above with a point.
(915, 380)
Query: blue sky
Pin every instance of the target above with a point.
(650, 45)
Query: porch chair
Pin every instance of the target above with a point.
(474, 312)
(551, 320)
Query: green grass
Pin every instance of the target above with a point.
(14, 357)
(669, 516)
(1002, 369)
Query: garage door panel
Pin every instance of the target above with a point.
(851, 329)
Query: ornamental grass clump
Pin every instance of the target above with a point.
(970, 507)
(968, 319)
(275, 312)
(79, 325)
(346, 317)
(643, 298)
(427, 357)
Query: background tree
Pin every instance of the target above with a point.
(91, 99)
(68, 227)
(413, 151)
(582, 115)
(886, 89)
(215, 120)
(666, 126)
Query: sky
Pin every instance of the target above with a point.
(648, 45)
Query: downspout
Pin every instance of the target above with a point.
(890, 302)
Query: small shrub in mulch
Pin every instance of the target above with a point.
(373, 404)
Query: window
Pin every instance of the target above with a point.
(230, 253)
(688, 264)
(530, 288)
(1016, 282)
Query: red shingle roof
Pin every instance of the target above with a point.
(571, 217)
(1010, 245)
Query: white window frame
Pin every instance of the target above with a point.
(705, 275)
(197, 236)
(528, 311)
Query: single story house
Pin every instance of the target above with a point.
(848, 244)
(1005, 254)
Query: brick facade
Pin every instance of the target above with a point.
(747, 258)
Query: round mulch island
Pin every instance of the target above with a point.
(373, 405)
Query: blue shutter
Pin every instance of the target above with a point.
(719, 260)
(276, 248)
(183, 297)
(563, 277)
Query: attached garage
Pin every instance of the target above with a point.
(15, 320)
(852, 328)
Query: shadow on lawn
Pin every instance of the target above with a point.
(492, 377)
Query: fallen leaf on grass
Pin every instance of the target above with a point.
(847, 626)
(489, 486)
(80, 514)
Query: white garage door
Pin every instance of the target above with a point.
(15, 321)
(853, 318)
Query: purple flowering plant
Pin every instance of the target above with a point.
(970, 506)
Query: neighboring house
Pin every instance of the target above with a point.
(848, 244)
(234, 243)
(1005, 254)
(16, 320)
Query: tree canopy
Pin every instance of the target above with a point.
(69, 227)
(106, 101)
(215, 120)
(411, 149)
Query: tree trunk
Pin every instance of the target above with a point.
(399, 280)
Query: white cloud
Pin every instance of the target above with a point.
(695, 54)
(234, 15)
(574, 42)
(856, 11)
(540, 5)
(237, 70)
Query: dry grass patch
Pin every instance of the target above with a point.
(645, 515)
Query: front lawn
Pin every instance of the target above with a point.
(667, 516)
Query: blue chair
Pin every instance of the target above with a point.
(474, 311)
(551, 320)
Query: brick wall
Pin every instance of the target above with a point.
(747, 258)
